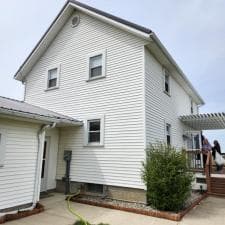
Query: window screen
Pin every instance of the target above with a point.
(168, 134)
(52, 78)
(95, 66)
(94, 131)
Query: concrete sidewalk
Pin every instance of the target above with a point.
(211, 211)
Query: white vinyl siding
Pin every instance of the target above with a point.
(119, 97)
(161, 108)
(17, 176)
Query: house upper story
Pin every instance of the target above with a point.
(90, 62)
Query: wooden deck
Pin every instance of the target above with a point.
(215, 180)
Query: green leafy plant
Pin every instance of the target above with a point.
(167, 178)
(80, 222)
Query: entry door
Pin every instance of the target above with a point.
(44, 170)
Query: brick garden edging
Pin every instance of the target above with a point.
(9, 217)
(154, 213)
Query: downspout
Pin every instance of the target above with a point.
(36, 193)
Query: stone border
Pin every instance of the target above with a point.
(154, 213)
(21, 214)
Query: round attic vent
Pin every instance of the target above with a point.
(75, 21)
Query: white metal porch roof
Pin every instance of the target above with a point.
(208, 121)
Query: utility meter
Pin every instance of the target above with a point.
(67, 155)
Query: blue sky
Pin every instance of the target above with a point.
(193, 31)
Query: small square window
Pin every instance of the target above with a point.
(167, 83)
(95, 188)
(94, 131)
(192, 107)
(96, 66)
(52, 78)
(168, 134)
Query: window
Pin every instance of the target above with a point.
(96, 66)
(53, 78)
(94, 134)
(166, 82)
(192, 107)
(94, 131)
(95, 188)
(168, 134)
(2, 147)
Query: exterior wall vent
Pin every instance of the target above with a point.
(75, 21)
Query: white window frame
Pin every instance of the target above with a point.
(166, 74)
(2, 147)
(167, 123)
(58, 67)
(103, 53)
(102, 131)
(192, 106)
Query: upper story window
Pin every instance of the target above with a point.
(168, 134)
(2, 147)
(96, 65)
(94, 131)
(166, 82)
(53, 78)
(192, 107)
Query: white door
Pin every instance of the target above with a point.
(44, 170)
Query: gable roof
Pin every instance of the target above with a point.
(112, 17)
(128, 26)
(20, 109)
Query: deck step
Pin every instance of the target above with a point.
(217, 186)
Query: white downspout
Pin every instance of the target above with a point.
(36, 193)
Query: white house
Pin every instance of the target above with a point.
(119, 81)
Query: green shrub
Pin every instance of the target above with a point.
(166, 176)
(80, 222)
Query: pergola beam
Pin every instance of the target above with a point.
(207, 121)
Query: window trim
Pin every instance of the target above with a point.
(167, 123)
(103, 53)
(192, 106)
(166, 74)
(102, 131)
(58, 67)
(2, 147)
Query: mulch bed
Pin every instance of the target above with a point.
(9, 217)
(140, 208)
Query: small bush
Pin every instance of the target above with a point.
(80, 222)
(166, 176)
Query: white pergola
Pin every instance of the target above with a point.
(209, 121)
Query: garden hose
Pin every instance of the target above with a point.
(71, 209)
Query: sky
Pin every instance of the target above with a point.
(193, 32)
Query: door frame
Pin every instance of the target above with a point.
(44, 180)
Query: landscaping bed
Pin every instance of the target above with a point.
(141, 208)
(21, 214)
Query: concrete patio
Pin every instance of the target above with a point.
(210, 211)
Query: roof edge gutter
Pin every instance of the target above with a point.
(40, 118)
(172, 61)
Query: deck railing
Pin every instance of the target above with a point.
(195, 160)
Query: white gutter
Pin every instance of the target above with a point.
(36, 193)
